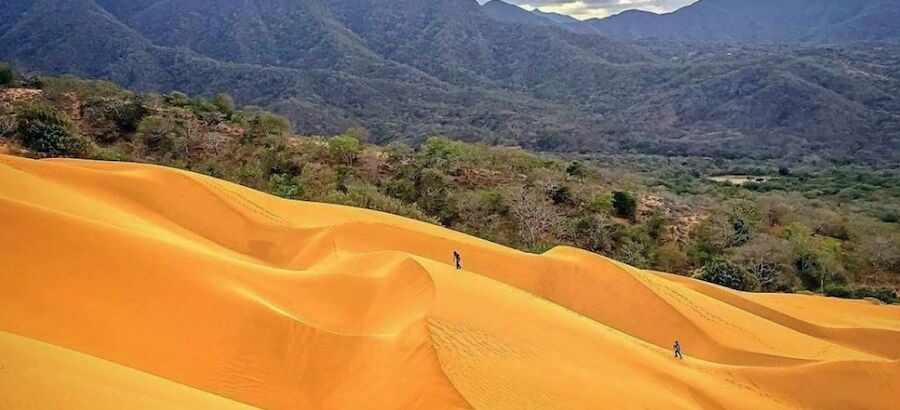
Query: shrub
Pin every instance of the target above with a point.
(889, 217)
(576, 169)
(358, 132)
(624, 205)
(493, 202)
(266, 124)
(560, 195)
(838, 291)
(225, 104)
(591, 233)
(741, 234)
(809, 270)
(367, 196)
(44, 131)
(286, 186)
(159, 134)
(726, 274)
(440, 150)
(670, 258)
(885, 295)
(601, 203)
(6, 74)
(178, 99)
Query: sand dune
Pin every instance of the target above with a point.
(133, 286)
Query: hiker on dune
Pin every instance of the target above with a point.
(457, 260)
(677, 347)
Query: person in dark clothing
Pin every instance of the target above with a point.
(457, 260)
(677, 347)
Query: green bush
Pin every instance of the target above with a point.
(44, 131)
(726, 274)
(601, 204)
(624, 205)
(885, 295)
(225, 104)
(809, 270)
(6, 74)
(55, 87)
(440, 150)
(286, 186)
(561, 195)
(159, 134)
(838, 291)
(367, 196)
(344, 149)
(577, 169)
(266, 124)
(493, 202)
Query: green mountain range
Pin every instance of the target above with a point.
(409, 69)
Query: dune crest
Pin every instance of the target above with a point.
(121, 281)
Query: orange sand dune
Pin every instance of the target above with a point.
(133, 286)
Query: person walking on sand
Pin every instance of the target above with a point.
(457, 260)
(677, 347)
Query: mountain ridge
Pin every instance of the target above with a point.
(430, 68)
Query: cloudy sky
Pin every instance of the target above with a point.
(583, 9)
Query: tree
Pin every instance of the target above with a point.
(534, 215)
(434, 196)
(726, 274)
(879, 251)
(7, 125)
(225, 104)
(286, 186)
(358, 132)
(345, 149)
(809, 269)
(43, 130)
(624, 205)
(6, 74)
(767, 259)
(129, 116)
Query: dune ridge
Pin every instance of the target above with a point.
(205, 294)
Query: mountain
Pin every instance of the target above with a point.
(139, 286)
(409, 69)
(556, 17)
(509, 13)
(762, 21)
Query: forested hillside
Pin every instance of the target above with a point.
(755, 225)
(409, 69)
(762, 21)
(735, 21)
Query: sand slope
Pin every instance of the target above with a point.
(124, 283)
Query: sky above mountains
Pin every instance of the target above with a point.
(583, 9)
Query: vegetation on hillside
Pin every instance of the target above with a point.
(422, 68)
(807, 226)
